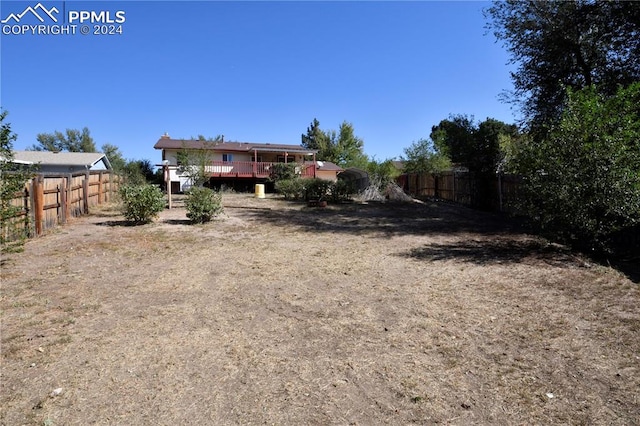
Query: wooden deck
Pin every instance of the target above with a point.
(249, 169)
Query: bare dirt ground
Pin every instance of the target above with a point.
(278, 313)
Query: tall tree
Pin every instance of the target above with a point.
(349, 148)
(12, 180)
(317, 139)
(138, 172)
(342, 147)
(476, 146)
(71, 140)
(582, 182)
(194, 162)
(115, 157)
(566, 44)
(453, 137)
(424, 157)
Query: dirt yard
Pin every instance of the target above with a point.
(278, 313)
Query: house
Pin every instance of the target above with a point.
(240, 165)
(62, 162)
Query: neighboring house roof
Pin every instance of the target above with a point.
(326, 165)
(71, 159)
(167, 143)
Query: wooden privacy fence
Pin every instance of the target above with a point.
(497, 193)
(50, 199)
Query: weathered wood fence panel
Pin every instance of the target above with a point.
(49, 200)
(464, 188)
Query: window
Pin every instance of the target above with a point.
(227, 157)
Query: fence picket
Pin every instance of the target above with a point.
(49, 200)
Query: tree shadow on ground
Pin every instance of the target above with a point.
(122, 222)
(177, 221)
(507, 240)
(497, 251)
(384, 220)
(628, 265)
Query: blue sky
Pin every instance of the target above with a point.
(253, 71)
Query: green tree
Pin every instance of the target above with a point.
(424, 157)
(315, 138)
(493, 140)
(582, 182)
(115, 157)
(7, 137)
(138, 172)
(194, 162)
(71, 140)
(381, 173)
(283, 171)
(453, 137)
(318, 140)
(12, 180)
(349, 149)
(566, 44)
(217, 138)
(341, 147)
(476, 146)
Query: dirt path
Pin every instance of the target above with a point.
(277, 313)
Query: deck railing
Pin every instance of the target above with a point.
(258, 169)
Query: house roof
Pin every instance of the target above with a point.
(168, 143)
(326, 165)
(80, 159)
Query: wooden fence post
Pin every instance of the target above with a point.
(67, 207)
(100, 198)
(62, 190)
(38, 203)
(500, 190)
(27, 212)
(85, 193)
(107, 190)
(454, 187)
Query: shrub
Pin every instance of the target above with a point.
(203, 204)
(342, 190)
(13, 229)
(582, 182)
(317, 189)
(292, 189)
(283, 171)
(141, 203)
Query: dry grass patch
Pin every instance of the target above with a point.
(283, 314)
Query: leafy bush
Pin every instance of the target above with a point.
(582, 182)
(292, 189)
(317, 189)
(283, 171)
(141, 203)
(13, 228)
(342, 190)
(203, 204)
